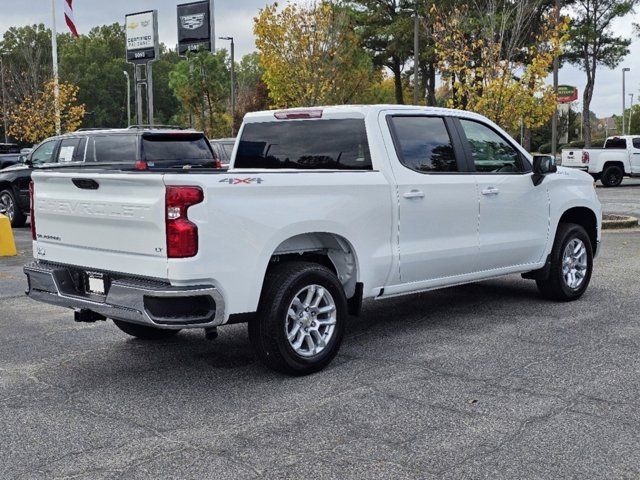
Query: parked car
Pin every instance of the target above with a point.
(142, 148)
(619, 157)
(223, 148)
(320, 209)
(8, 159)
(6, 148)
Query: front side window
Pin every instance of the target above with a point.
(423, 144)
(339, 144)
(491, 152)
(636, 143)
(114, 149)
(44, 153)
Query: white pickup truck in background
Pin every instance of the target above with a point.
(619, 157)
(320, 209)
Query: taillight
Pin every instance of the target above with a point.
(182, 235)
(217, 163)
(142, 165)
(32, 216)
(585, 157)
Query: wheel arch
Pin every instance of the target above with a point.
(325, 248)
(586, 218)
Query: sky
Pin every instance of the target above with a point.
(234, 18)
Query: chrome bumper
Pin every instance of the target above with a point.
(128, 299)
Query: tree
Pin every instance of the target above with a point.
(489, 66)
(385, 28)
(592, 43)
(252, 92)
(310, 55)
(33, 119)
(201, 83)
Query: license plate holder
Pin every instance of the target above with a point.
(96, 283)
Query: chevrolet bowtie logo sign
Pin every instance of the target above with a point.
(191, 22)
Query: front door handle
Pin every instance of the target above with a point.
(491, 191)
(413, 194)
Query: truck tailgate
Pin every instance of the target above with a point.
(573, 158)
(108, 221)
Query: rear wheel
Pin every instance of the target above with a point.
(10, 208)
(571, 264)
(143, 332)
(301, 318)
(612, 176)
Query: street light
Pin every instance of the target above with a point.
(233, 82)
(624, 71)
(630, 112)
(126, 74)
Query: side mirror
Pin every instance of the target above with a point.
(543, 165)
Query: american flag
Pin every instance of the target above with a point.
(68, 17)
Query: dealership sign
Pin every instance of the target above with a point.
(567, 94)
(142, 36)
(194, 27)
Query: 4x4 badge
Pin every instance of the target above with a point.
(239, 180)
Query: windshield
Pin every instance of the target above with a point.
(177, 150)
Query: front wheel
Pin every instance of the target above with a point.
(301, 318)
(612, 176)
(571, 264)
(143, 332)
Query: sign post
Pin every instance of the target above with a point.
(143, 48)
(196, 27)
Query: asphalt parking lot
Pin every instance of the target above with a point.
(479, 381)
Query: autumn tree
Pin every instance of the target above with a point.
(491, 70)
(33, 119)
(592, 43)
(201, 83)
(310, 55)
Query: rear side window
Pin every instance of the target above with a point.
(176, 149)
(113, 149)
(615, 142)
(636, 143)
(305, 144)
(71, 150)
(423, 144)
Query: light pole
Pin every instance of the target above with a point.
(630, 112)
(624, 71)
(233, 82)
(126, 74)
(416, 55)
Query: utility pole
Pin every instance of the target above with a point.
(4, 105)
(416, 56)
(233, 83)
(54, 53)
(624, 71)
(554, 120)
(126, 74)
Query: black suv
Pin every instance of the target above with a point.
(140, 148)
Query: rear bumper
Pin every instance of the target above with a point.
(145, 302)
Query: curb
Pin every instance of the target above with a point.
(617, 222)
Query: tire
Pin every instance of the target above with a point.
(612, 176)
(557, 286)
(143, 332)
(285, 309)
(11, 209)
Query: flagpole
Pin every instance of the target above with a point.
(54, 53)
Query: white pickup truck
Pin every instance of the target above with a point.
(320, 209)
(619, 157)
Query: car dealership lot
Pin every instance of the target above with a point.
(484, 380)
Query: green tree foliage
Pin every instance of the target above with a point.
(201, 83)
(252, 92)
(385, 28)
(592, 43)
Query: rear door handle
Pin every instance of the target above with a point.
(491, 191)
(414, 194)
